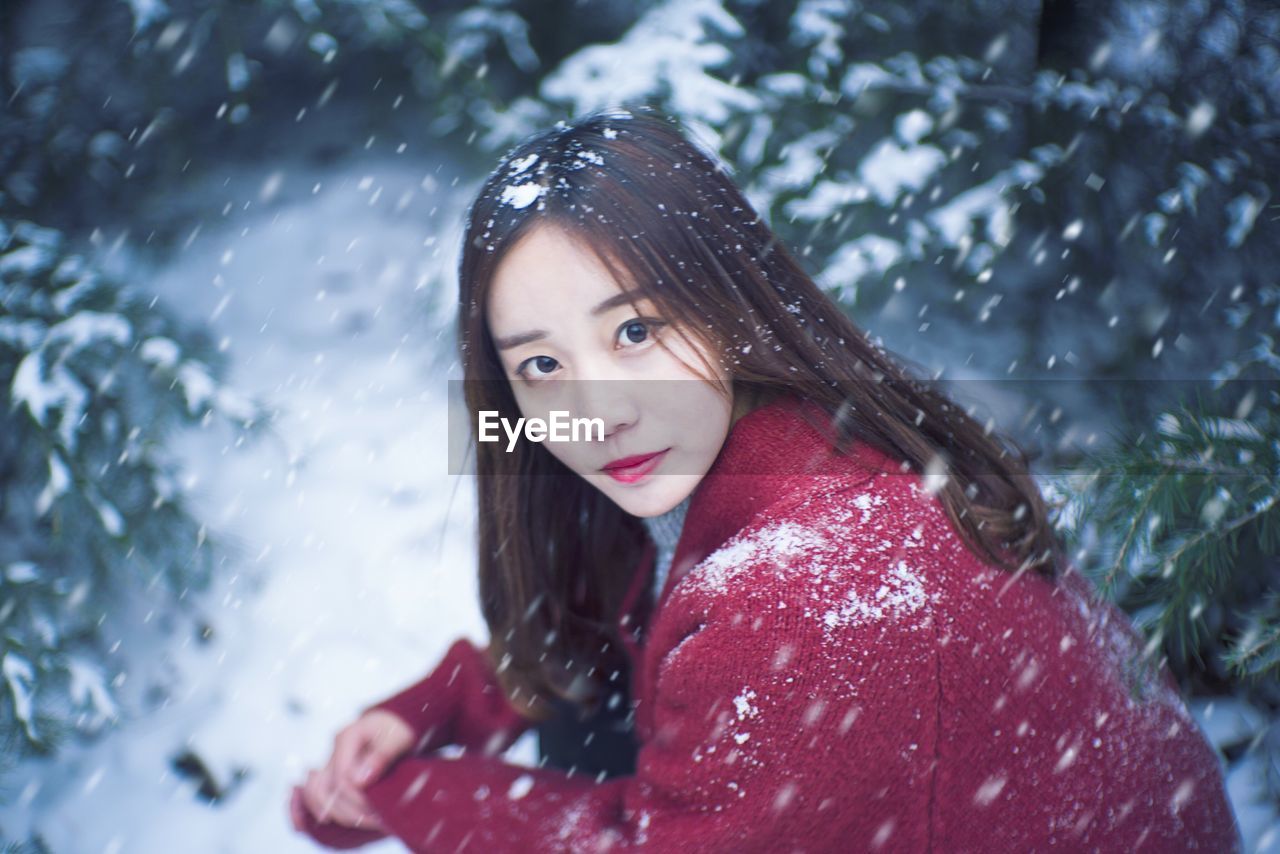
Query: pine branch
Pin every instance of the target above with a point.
(1205, 535)
(1109, 581)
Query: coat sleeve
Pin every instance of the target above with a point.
(458, 703)
(784, 718)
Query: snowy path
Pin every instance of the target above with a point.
(354, 565)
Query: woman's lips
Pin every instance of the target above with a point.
(638, 468)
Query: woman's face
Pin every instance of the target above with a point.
(569, 341)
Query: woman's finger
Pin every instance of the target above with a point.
(348, 748)
(320, 794)
(296, 809)
(349, 809)
(329, 801)
(365, 815)
(372, 822)
(310, 799)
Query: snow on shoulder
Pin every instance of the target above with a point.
(859, 554)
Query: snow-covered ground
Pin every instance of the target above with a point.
(353, 550)
(1228, 721)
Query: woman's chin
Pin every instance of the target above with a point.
(651, 496)
(638, 499)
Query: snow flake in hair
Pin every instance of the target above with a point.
(529, 190)
(522, 164)
(521, 195)
(582, 157)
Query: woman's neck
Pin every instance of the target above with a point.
(665, 530)
(665, 527)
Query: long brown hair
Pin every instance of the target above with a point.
(555, 554)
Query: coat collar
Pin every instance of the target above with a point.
(769, 453)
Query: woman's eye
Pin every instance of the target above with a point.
(637, 330)
(544, 365)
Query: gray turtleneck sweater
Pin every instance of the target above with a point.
(665, 529)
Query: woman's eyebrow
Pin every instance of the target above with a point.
(621, 298)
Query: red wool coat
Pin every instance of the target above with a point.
(829, 668)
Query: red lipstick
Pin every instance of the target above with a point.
(631, 469)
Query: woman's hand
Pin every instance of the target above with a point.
(361, 752)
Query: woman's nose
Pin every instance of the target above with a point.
(608, 397)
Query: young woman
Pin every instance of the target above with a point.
(830, 602)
